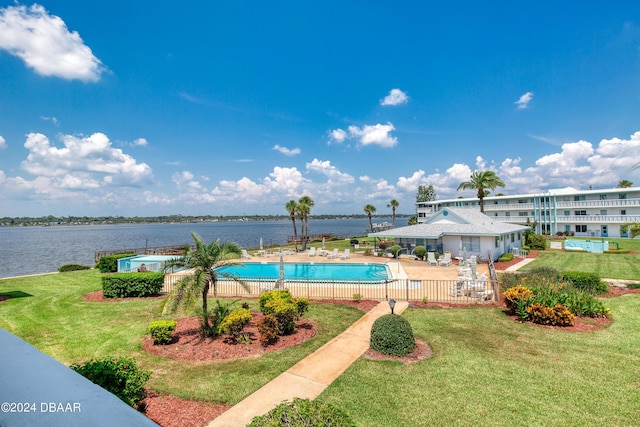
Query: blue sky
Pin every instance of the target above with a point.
(152, 108)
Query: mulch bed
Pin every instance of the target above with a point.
(422, 352)
(98, 297)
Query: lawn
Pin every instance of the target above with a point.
(51, 315)
(489, 370)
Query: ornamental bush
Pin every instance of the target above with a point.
(127, 285)
(268, 328)
(302, 306)
(285, 312)
(506, 257)
(161, 331)
(558, 315)
(120, 376)
(72, 267)
(420, 252)
(392, 334)
(234, 323)
(303, 413)
(394, 250)
(109, 263)
(537, 241)
(513, 297)
(269, 295)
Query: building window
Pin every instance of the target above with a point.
(578, 213)
(567, 228)
(578, 198)
(507, 214)
(523, 201)
(471, 243)
(603, 211)
(603, 197)
(523, 214)
(622, 196)
(497, 242)
(623, 212)
(567, 213)
(513, 237)
(581, 228)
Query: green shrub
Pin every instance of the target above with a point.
(633, 285)
(617, 251)
(268, 328)
(392, 334)
(537, 241)
(126, 285)
(303, 413)
(395, 249)
(357, 297)
(420, 252)
(161, 331)
(72, 267)
(302, 306)
(120, 376)
(109, 263)
(234, 323)
(587, 282)
(514, 295)
(506, 257)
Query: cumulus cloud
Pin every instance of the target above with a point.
(45, 44)
(326, 168)
(524, 100)
(395, 97)
(286, 151)
(83, 161)
(140, 142)
(337, 135)
(375, 135)
(3, 143)
(53, 120)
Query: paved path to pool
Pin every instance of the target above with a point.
(309, 377)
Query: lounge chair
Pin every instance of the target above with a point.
(346, 254)
(245, 255)
(431, 258)
(312, 251)
(333, 254)
(445, 260)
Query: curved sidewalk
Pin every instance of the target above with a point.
(310, 376)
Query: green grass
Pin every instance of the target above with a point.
(51, 315)
(611, 266)
(489, 370)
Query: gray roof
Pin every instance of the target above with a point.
(456, 222)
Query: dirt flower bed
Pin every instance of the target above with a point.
(171, 411)
(422, 352)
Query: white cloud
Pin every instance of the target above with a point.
(337, 135)
(523, 101)
(3, 143)
(53, 120)
(45, 44)
(140, 142)
(86, 158)
(395, 97)
(411, 184)
(375, 135)
(286, 151)
(325, 168)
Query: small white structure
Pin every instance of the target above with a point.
(458, 230)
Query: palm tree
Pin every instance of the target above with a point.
(393, 204)
(625, 183)
(302, 210)
(203, 260)
(308, 202)
(291, 206)
(370, 209)
(480, 181)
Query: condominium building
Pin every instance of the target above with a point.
(588, 213)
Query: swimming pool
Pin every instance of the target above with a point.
(352, 272)
(151, 262)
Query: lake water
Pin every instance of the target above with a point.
(33, 250)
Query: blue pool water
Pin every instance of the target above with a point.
(310, 271)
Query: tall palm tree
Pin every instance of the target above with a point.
(480, 181)
(203, 260)
(393, 204)
(291, 206)
(303, 211)
(370, 209)
(308, 202)
(625, 183)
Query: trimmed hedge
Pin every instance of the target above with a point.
(126, 285)
(587, 282)
(161, 331)
(392, 334)
(72, 267)
(303, 413)
(537, 241)
(506, 257)
(420, 252)
(109, 263)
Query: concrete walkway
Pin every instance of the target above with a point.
(309, 377)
